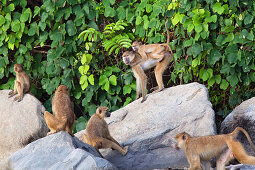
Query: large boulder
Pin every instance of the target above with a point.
(149, 128)
(58, 151)
(20, 123)
(242, 116)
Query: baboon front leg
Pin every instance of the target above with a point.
(20, 92)
(53, 123)
(141, 81)
(106, 143)
(138, 86)
(14, 91)
(194, 161)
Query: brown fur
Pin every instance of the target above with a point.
(139, 66)
(22, 83)
(97, 132)
(63, 114)
(156, 51)
(204, 148)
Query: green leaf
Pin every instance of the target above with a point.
(44, 16)
(218, 79)
(91, 79)
(121, 13)
(233, 80)
(198, 28)
(213, 57)
(138, 20)
(148, 8)
(187, 42)
(11, 7)
(109, 12)
(113, 80)
(32, 29)
(70, 28)
(83, 79)
(102, 80)
(128, 100)
(224, 84)
(126, 89)
(2, 20)
(36, 11)
(15, 25)
(107, 86)
(190, 27)
(112, 2)
(211, 81)
(24, 17)
(22, 49)
(218, 8)
(248, 19)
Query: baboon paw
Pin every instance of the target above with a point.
(10, 93)
(125, 150)
(49, 133)
(158, 90)
(143, 100)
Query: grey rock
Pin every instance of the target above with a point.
(242, 116)
(20, 123)
(149, 128)
(58, 151)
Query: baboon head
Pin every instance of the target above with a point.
(102, 112)
(63, 89)
(18, 68)
(128, 57)
(136, 45)
(181, 140)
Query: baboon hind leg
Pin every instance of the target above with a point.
(19, 89)
(53, 123)
(239, 153)
(159, 70)
(106, 143)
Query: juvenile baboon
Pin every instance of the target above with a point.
(63, 114)
(97, 132)
(156, 51)
(22, 83)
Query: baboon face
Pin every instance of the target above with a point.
(128, 57)
(103, 111)
(136, 45)
(62, 88)
(180, 139)
(17, 68)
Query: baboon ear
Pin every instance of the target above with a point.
(99, 110)
(184, 136)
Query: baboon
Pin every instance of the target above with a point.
(22, 83)
(97, 132)
(63, 113)
(224, 147)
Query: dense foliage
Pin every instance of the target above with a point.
(79, 43)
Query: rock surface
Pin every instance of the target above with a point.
(20, 123)
(149, 128)
(58, 151)
(243, 116)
